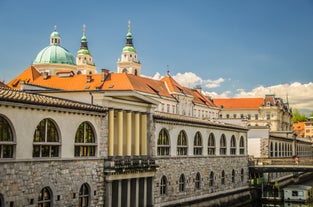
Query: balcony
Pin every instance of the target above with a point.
(126, 165)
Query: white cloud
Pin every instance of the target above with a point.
(299, 95)
(190, 80)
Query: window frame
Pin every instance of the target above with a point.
(46, 148)
(84, 197)
(163, 185)
(182, 183)
(197, 144)
(42, 201)
(223, 145)
(233, 148)
(182, 144)
(163, 143)
(211, 148)
(7, 139)
(83, 147)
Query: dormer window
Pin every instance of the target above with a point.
(268, 103)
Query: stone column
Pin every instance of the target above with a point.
(128, 193)
(143, 134)
(145, 191)
(137, 192)
(108, 196)
(120, 133)
(137, 135)
(119, 200)
(128, 133)
(111, 133)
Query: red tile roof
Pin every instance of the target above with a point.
(166, 87)
(239, 103)
(27, 76)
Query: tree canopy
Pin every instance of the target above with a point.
(298, 117)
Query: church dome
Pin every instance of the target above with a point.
(54, 54)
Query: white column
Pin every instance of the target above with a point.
(137, 135)
(144, 134)
(120, 133)
(111, 133)
(119, 200)
(128, 133)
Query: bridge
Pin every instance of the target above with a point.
(269, 165)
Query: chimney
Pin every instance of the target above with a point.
(104, 73)
(45, 75)
(89, 78)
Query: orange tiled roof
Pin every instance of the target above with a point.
(239, 103)
(119, 82)
(298, 128)
(27, 76)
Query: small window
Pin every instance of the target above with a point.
(198, 181)
(45, 197)
(181, 183)
(84, 195)
(223, 177)
(242, 146)
(211, 182)
(242, 175)
(233, 174)
(163, 185)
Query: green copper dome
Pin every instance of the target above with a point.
(55, 54)
(129, 49)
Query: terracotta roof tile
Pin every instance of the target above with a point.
(239, 103)
(17, 96)
(27, 76)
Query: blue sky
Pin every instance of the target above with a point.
(231, 48)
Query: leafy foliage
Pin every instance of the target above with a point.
(298, 117)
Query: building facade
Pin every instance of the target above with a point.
(157, 142)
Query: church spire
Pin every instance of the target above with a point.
(129, 62)
(84, 57)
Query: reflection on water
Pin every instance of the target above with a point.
(287, 204)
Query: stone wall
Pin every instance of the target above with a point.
(172, 168)
(22, 181)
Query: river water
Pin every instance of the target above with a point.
(285, 204)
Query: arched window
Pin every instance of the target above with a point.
(211, 144)
(181, 183)
(233, 175)
(6, 139)
(233, 145)
(45, 197)
(182, 143)
(276, 149)
(84, 195)
(85, 141)
(211, 182)
(197, 150)
(163, 185)
(242, 146)
(46, 140)
(163, 143)
(223, 145)
(198, 181)
(223, 177)
(125, 70)
(242, 175)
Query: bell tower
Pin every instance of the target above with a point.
(84, 58)
(129, 63)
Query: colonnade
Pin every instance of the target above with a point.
(127, 133)
(129, 192)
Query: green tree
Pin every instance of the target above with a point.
(298, 117)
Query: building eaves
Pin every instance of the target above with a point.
(17, 96)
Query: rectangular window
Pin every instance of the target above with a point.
(268, 116)
(256, 116)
